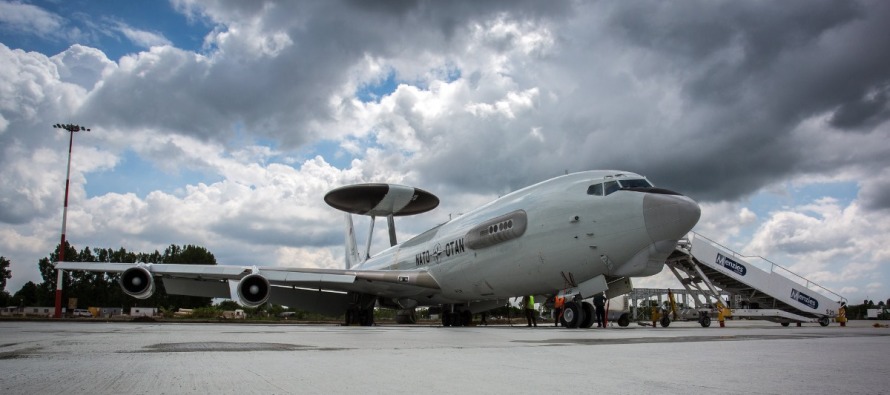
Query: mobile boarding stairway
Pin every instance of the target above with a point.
(709, 268)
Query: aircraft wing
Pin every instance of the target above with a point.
(312, 289)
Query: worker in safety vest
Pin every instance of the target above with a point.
(559, 303)
(842, 314)
(528, 302)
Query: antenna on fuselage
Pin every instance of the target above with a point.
(375, 200)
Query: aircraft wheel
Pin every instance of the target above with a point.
(824, 321)
(665, 321)
(406, 317)
(705, 321)
(366, 317)
(589, 315)
(455, 318)
(624, 320)
(446, 318)
(466, 318)
(573, 315)
(786, 323)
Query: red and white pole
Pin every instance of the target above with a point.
(61, 274)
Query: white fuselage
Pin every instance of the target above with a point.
(569, 234)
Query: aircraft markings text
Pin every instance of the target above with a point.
(453, 247)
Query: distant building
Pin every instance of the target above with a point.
(233, 314)
(106, 311)
(12, 310)
(143, 311)
(39, 311)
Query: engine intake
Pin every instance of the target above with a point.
(137, 282)
(253, 290)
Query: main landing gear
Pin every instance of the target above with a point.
(361, 309)
(453, 317)
(578, 315)
(406, 317)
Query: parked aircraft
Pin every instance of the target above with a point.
(574, 235)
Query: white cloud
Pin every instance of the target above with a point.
(724, 221)
(30, 87)
(142, 38)
(506, 107)
(30, 19)
(828, 243)
(83, 66)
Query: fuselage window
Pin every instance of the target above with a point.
(595, 190)
(611, 186)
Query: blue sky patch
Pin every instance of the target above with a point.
(120, 179)
(332, 153)
(372, 93)
(765, 201)
(100, 24)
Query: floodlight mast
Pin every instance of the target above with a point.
(71, 128)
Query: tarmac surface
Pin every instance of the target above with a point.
(746, 357)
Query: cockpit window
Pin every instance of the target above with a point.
(612, 186)
(636, 183)
(595, 190)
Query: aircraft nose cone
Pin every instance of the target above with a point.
(669, 217)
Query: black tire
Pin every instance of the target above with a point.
(406, 317)
(705, 321)
(824, 321)
(786, 323)
(366, 317)
(572, 315)
(624, 320)
(446, 318)
(589, 315)
(665, 321)
(466, 318)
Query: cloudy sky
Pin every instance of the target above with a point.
(223, 123)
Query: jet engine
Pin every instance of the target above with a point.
(137, 282)
(253, 290)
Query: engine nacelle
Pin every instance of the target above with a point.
(138, 282)
(253, 290)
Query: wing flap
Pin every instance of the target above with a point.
(222, 272)
(193, 287)
(303, 278)
(328, 303)
(179, 270)
(94, 266)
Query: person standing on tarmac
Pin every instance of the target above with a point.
(528, 303)
(559, 303)
(599, 303)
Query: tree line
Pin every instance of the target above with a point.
(102, 289)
